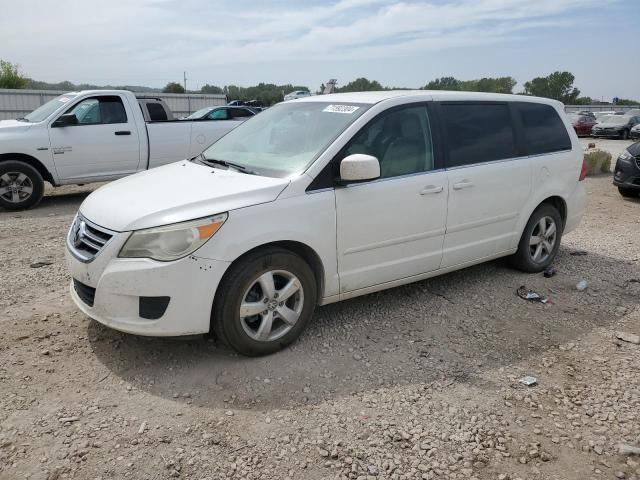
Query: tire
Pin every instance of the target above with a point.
(249, 335)
(628, 192)
(21, 185)
(624, 135)
(524, 258)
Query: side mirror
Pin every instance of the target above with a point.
(359, 168)
(65, 120)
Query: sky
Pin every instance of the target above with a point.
(399, 43)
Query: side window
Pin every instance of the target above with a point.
(219, 114)
(240, 113)
(157, 112)
(400, 140)
(478, 132)
(544, 131)
(99, 110)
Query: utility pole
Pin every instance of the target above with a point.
(184, 75)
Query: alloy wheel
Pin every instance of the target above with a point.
(15, 187)
(271, 305)
(543, 239)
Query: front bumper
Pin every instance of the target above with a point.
(607, 133)
(627, 174)
(118, 284)
(634, 134)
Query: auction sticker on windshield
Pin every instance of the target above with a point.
(341, 108)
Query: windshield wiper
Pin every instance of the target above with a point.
(22, 119)
(224, 163)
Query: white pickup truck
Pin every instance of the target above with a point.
(95, 136)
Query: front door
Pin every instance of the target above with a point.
(104, 143)
(393, 227)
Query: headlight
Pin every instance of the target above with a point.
(172, 242)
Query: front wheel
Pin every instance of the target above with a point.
(540, 240)
(628, 192)
(21, 185)
(264, 302)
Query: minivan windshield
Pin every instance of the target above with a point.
(42, 113)
(285, 138)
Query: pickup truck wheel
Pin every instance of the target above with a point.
(540, 240)
(21, 185)
(264, 302)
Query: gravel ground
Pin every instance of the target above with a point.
(417, 382)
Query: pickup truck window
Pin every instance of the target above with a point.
(156, 112)
(42, 113)
(99, 110)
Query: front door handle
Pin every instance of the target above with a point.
(431, 189)
(123, 132)
(463, 184)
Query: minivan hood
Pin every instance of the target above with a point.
(175, 193)
(13, 126)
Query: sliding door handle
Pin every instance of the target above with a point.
(431, 189)
(463, 184)
(123, 132)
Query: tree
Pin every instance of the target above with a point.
(211, 89)
(361, 85)
(627, 101)
(10, 76)
(173, 87)
(558, 85)
(443, 83)
(486, 84)
(583, 101)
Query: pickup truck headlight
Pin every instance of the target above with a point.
(172, 242)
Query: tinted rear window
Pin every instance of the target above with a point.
(156, 112)
(544, 131)
(478, 132)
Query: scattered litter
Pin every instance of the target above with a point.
(142, 427)
(68, 419)
(550, 271)
(530, 295)
(628, 449)
(579, 253)
(628, 337)
(581, 285)
(529, 381)
(41, 263)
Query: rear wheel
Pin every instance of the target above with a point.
(625, 134)
(264, 302)
(21, 185)
(540, 240)
(628, 192)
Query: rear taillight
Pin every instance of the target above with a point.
(583, 170)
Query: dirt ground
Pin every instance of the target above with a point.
(416, 382)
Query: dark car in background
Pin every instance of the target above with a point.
(626, 175)
(582, 124)
(615, 126)
(222, 113)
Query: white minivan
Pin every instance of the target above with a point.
(322, 199)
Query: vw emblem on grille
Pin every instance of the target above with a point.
(79, 234)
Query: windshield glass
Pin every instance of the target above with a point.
(285, 138)
(43, 112)
(614, 119)
(199, 114)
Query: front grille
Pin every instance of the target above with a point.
(86, 240)
(86, 293)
